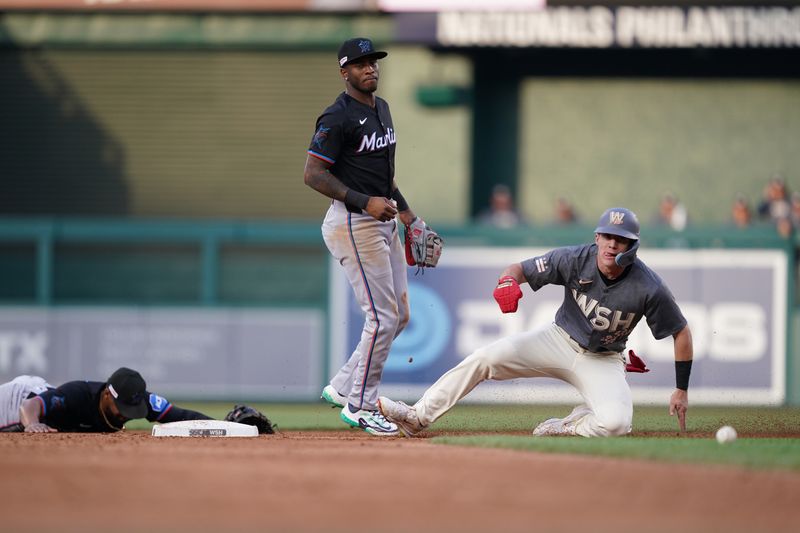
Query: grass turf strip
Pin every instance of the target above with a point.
(748, 421)
(783, 454)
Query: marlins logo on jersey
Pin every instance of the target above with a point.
(321, 136)
(158, 403)
(56, 403)
(370, 143)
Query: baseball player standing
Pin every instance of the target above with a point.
(351, 160)
(607, 290)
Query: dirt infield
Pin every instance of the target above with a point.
(348, 481)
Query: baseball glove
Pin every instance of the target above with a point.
(244, 414)
(423, 245)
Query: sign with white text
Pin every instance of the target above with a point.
(227, 354)
(598, 26)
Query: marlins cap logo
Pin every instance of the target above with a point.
(365, 47)
(615, 217)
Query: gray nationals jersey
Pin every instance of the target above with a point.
(600, 315)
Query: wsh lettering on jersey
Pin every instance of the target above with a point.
(370, 143)
(601, 321)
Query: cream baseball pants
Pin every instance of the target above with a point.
(373, 259)
(545, 352)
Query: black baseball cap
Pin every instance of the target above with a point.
(129, 391)
(357, 48)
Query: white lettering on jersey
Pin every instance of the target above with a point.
(582, 303)
(617, 321)
(370, 143)
(600, 320)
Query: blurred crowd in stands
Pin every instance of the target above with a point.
(502, 212)
(777, 206)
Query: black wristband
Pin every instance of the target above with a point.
(402, 205)
(683, 370)
(357, 199)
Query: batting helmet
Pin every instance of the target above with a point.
(619, 221)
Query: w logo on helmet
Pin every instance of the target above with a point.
(619, 221)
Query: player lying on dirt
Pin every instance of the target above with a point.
(607, 290)
(30, 404)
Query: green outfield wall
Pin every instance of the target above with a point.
(95, 261)
(203, 134)
(600, 142)
(208, 116)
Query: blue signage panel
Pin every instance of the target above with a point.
(226, 354)
(735, 302)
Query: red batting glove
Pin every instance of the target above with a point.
(636, 363)
(412, 230)
(507, 293)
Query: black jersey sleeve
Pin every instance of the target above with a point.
(328, 139)
(176, 414)
(664, 317)
(159, 409)
(552, 268)
(71, 406)
(57, 402)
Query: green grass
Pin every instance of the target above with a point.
(655, 434)
(781, 453)
(516, 418)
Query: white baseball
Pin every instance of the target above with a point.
(726, 434)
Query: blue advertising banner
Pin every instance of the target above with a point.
(211, 354)
(735, 302)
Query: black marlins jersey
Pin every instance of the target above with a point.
(75, 407)
(601, 316)
(359, 143)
